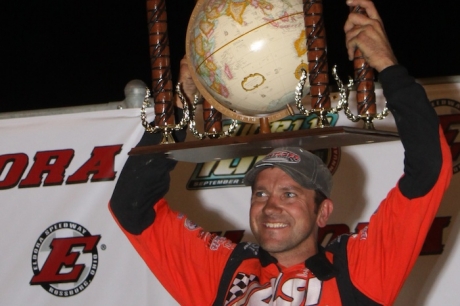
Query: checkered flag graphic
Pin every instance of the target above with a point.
(239, 286)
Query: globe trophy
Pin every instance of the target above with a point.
(250, 62)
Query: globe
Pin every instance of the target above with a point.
(247, 56)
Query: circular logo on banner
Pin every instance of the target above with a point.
(448, 111)
(65, 259)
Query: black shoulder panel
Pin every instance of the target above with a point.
(243, 251)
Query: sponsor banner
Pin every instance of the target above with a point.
(60, 245)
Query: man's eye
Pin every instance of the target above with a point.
(260, 194)
(290, 195)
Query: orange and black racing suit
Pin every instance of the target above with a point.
(366, 268)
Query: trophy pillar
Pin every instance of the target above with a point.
(160, 66)
(364, 80)
(317, 59)
(212, 120)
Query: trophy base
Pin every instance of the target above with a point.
(261, 144)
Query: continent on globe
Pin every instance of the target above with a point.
(247, 56)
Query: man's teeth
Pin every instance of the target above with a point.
(275, 225)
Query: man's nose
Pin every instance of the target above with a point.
(272, 205)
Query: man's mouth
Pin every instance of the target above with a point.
(275, 225)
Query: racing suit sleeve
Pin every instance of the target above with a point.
(381, 255)
(187, 260)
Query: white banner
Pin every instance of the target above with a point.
(83, 154)
(60, 245)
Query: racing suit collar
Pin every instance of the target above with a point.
(318, 264)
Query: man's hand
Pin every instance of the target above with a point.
(187, 85)
(368, 35)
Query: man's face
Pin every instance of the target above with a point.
(283, 218)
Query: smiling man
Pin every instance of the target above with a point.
(290, 201)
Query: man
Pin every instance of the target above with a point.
(289, 202)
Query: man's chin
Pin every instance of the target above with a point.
(273, 246)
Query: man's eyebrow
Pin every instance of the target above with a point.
(283, 187)
(291, 187)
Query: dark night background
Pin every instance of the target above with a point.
(59, 53)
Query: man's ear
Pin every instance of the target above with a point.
(325, 210)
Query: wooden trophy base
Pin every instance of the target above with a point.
(261, 144)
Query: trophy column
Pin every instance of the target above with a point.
(365, 90)
(317, 59)
(212, 120)
(161, 68)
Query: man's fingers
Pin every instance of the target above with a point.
(361, 29)
(368, 5)
(366, 33)
(185, 78)
(355, 20)
(353, 40)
